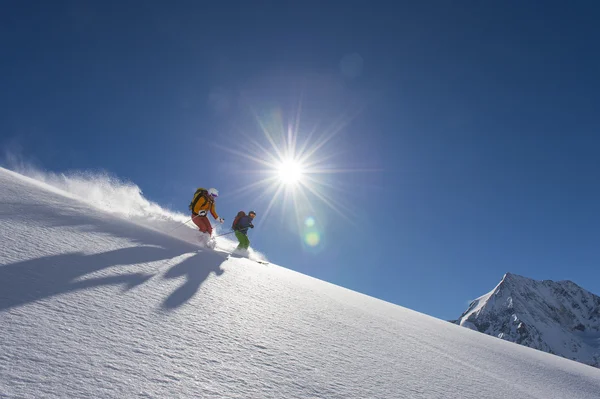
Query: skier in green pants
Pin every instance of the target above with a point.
(241, 224)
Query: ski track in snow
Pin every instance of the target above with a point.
(94, 306)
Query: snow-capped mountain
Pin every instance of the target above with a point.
(106, 295)
(556, 317)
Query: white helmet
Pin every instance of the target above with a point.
(213, 192)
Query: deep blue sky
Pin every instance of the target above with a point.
(480, 120)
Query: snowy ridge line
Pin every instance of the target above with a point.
(125, 200)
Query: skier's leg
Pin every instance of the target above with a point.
(240, 237)
(246, 242)
(203, 224)
(208, 226)
(198, 222)
(206, 229)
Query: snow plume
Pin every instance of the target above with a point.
(118, 197)
(124, 199)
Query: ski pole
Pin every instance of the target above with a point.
(182, 224)
(224, 234)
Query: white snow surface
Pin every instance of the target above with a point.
(94, 305)
(556, 317)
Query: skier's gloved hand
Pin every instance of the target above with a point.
(251, 226)
(221, 220)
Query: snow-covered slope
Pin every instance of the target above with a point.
(555, 317)
(94, 306)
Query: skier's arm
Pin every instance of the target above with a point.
(213, 211)
(248, 223)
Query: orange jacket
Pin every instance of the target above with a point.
(204, 205)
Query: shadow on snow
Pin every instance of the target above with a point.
(196, 271)
(35, 279)
(48, 276)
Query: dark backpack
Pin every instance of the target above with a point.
(239, 215)
(201, 192)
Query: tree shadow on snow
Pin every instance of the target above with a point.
(196, 269)
(47, 276)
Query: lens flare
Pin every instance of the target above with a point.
(309, 222)
(312, 239)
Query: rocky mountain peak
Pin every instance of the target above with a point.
(557, 317)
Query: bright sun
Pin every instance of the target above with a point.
(290, 172)
(295, 170)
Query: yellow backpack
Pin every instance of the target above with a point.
(200, 192)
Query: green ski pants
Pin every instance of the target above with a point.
(243, 239)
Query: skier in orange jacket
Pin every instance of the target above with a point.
(201, 205)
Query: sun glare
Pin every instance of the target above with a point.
(294, 172)
(290, 172)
